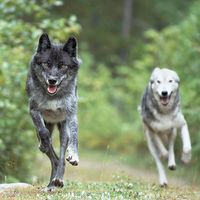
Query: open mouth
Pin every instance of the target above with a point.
(165, 100)
(52, 86)
(52, 89)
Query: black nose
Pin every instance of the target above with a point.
(52, 81)
(164, 93)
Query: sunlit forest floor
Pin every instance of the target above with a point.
(103, 175)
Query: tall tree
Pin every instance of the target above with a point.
(126, 27)
(127, 18)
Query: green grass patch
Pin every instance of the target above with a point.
(120, 188)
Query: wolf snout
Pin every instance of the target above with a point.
(52, 85)
(52, 81)
(164, 93)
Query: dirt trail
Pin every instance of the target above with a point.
(94, 170)
(105, 171)
(100, 171)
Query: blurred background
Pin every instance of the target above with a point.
(120, 42)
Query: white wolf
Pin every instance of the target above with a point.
(161, 115)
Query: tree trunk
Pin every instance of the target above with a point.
(127, 18)
(126, 28)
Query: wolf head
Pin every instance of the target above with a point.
(164, 84)
(55, 65)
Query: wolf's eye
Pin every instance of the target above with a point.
(62, 65)
(45, 64)
(170, 81)
(158, 81)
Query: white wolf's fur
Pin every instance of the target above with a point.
(165, 121)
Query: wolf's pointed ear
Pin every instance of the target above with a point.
(44, 43)
(71, 46)
(176, 77)
(155, 70)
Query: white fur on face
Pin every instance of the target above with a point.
(164, 80)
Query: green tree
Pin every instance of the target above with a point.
(104, 22)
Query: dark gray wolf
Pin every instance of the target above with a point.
(52, 90)
(161, 116)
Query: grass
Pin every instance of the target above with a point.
(120, 188)
(105, 175)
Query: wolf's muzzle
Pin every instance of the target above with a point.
(52, 82)
(164, 93)
(52, 85)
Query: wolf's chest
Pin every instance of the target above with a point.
(53, 105)
(168, 122)
(53, 111)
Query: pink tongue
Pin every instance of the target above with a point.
(52, 89)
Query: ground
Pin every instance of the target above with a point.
(106, 176)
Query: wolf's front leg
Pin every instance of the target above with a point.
(72, 147)
(171, 158)
(53, 158)
(154, 153)
(187, 154)
(42, 132)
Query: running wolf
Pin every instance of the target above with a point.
(162, 117)
(52, 90)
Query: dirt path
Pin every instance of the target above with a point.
(95, 178)
(92, 170)
(97, 171)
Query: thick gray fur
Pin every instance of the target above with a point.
(57, 62)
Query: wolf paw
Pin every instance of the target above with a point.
(49, 189)
(45, 141)
(172, 167)
(72, 158)
(163, 185)
(58, 182)
(44, 147)
(186, 157)
(163, 181)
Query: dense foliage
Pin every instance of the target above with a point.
(102, 29)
